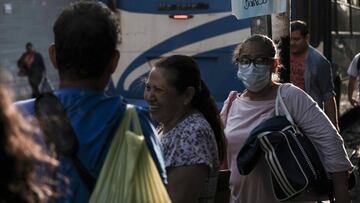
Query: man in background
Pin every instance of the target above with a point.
(31, 65)
(311, 71)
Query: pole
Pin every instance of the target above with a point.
(261, 25)
(281, 35)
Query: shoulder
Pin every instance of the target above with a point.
(289, 90)
(356, 60)
(198, 123)
(353, 69)
(296, 99)
(193, 127)
(314, 54)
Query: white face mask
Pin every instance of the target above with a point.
(254, 78)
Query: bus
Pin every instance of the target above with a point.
(206, 30)
(203, 29)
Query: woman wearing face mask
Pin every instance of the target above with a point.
(256, 60)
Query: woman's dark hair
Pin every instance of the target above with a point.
(20, 155)
(85, 40)
(184, 73)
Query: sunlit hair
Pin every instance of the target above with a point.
(183, 73)
(20, 156)
(265, 41)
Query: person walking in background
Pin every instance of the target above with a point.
(354, 72)
(20, 157)
(257, 63)
(189, 126)
(85, 56)
(31, 65)
(311, 71)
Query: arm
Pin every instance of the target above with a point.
(340, 184)
(331, 111)
(351, 88)
(317, 127)
(187, 182)
(326, 86)
(20, 62)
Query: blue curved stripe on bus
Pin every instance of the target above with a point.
(148, 6)
(220, 80)
(202, 32)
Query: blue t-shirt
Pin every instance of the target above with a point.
(95, 117)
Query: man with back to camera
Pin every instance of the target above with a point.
(354, 72)
(85, 56)
(311, 71)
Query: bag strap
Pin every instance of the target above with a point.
(57, 129)
(280, 101)
(232, 97)
(224, 115)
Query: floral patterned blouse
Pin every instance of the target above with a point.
(190, 142)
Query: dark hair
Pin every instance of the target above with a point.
(184, 73)
(266, 42)
(28, 44)
(20, 155)
(85, 40)
(301, 26)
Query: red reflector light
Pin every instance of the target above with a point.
(180, 17)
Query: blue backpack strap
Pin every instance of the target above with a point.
(152, 141)
(57, 129)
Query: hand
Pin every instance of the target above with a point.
(340, 185)
(22, 72)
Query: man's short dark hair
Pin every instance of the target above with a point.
(301, 26)
(85, 40)
(28, 44)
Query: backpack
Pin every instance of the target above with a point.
(59, 132)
